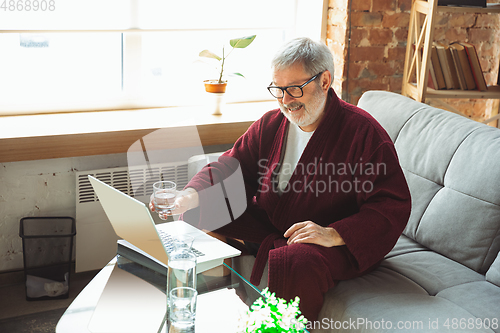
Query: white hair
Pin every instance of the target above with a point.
(314, 56)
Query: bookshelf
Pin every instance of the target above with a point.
(420, 36)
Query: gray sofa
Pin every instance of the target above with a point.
(443, 275)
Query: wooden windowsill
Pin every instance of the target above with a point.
(35, 137)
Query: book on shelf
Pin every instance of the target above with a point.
(465, 66)
(445, 59)
(458, 69)
(453, 70)
(455, 66)
(438, 72)
(477, 71)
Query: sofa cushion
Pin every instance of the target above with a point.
(450, 164)
(431, 271)
(409, 313)
(461, 227)
(405, 245)
(493, 274)
(422, 192)
(425, 144)
(386, 296)
(480, 299)
(380, 282)
(474, 172)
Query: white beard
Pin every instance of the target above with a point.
(309, 114)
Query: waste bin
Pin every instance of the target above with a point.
(47, 254)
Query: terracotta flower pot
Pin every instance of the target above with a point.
(213, 86)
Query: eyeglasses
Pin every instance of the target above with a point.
(293, 91)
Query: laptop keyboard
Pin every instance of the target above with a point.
(168, 242)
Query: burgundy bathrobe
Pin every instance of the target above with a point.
(353, 183)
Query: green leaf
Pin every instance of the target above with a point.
(208, 54)
(242, 42)
(237, 74)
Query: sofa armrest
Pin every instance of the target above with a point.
(493, 273)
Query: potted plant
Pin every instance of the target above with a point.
(219, 85)
(271, 314)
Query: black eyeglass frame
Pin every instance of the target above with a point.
(283, 89)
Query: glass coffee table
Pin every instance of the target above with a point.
(127, 297)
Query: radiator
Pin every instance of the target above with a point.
(95, 238)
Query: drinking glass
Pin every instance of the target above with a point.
(181, 264)
(182, 309)
(183, 242)
(165, 193)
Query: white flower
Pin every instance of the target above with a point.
(272, 313)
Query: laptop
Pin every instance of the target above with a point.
(141, 241)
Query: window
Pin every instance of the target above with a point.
(117, 54)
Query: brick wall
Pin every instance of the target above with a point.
(337, 39)
(368, 41)
(373, 56)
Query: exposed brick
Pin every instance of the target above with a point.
(404, 5)
(479, 109)
(338, 3)
(396, 83)
(462, 20)
(487, 49)
(355, 69)
(491, 78)
(384, 5)
(395, 53)
(380, 36)
(381, 68)
(370, 53)
(339, 65)
(368, 84)
(401, 35)
(441, 20)
(337, 49)
(364, 19)
(487, 65)
(364, 5)
(358, 34)
(456, 34)
(396, 20)
(440, 34)
(337, 17)
(399, 66)
(487, 21)
(336, 33)
(484, 35)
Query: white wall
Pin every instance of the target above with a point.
(39, 188)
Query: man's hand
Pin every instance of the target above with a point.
(186, 200)
(310, 232)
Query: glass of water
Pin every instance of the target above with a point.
(181, 264)
(181, 270)
(165, 193)
(183, 242)
(182, 309)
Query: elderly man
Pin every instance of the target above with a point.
(327, 199)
